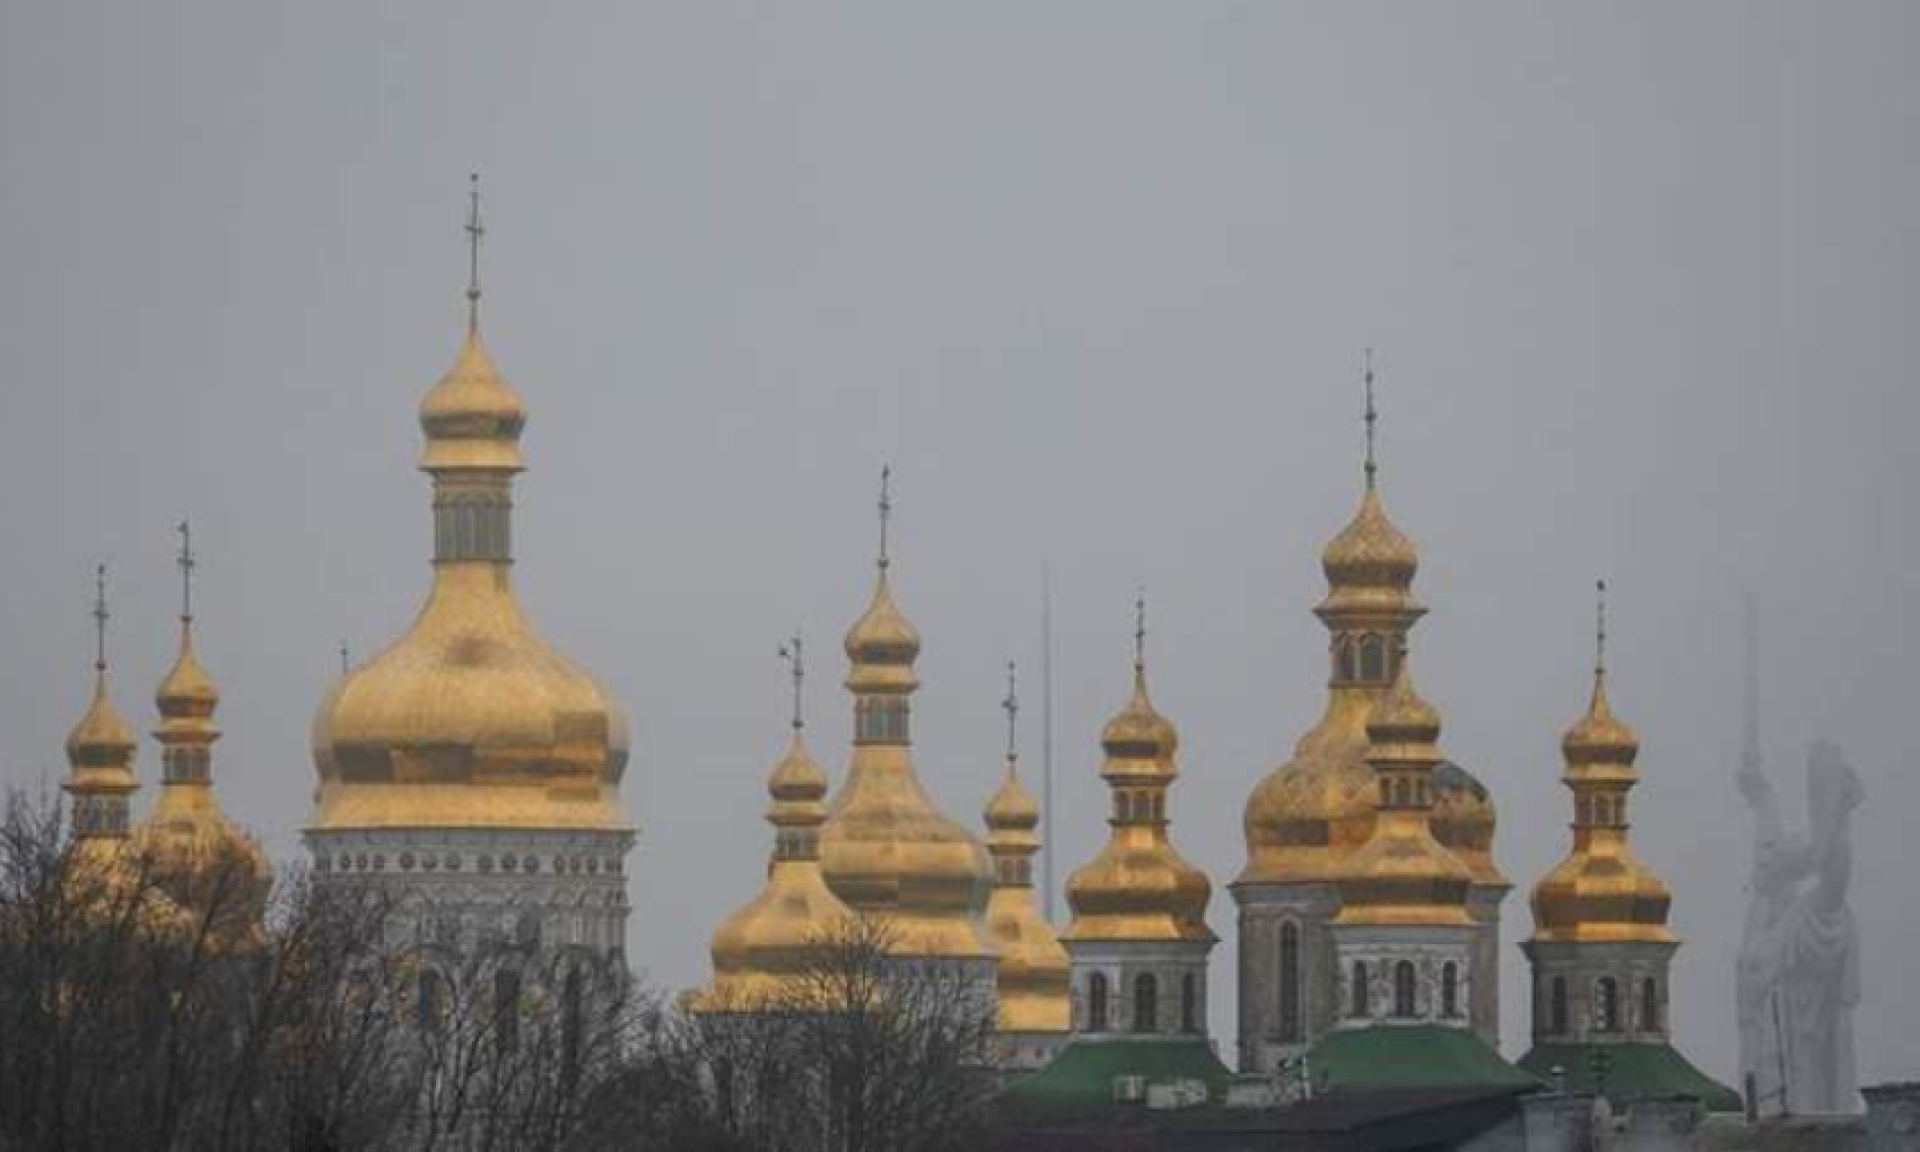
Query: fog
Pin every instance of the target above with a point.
(1095, 278)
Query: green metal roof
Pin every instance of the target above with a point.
(1634, 1068)
(1402, 1056)
(1080, 1078)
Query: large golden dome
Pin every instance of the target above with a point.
(1318, 806)
(1601, 891)
(470, 720)
(763, 953)
(1139, 887)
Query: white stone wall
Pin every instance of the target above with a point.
(1382, 949)
(1122, 963)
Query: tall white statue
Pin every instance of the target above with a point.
(1799, 969)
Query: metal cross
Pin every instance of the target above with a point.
(794, 653)
(187, 565)
(475, 230)
(1373, 417)
(1140, 629)
(1600, 628)
(886, 508)
(1011, 705)
(346, 658)
(100, 618)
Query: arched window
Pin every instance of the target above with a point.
(1189, 1004)
(1650, 1005)
(1360, 1009)
(1146, 1003)
(1557, 1005)
(1097, 1002)
(1404, 987)
(1373, 659)
(572, 1024)
(1449, 990)
(1342, 659)
(1606, 1005)
(506, 1009)
(430, 1000)
(1290, 982)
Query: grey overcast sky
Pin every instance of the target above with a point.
(1096, 277)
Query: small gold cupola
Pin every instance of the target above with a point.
(100, 752)
(1402, 874)
(1139, 888)
(1034, 973)
(198, 854)
(763, 953)
(1601, 891)
(886, 850)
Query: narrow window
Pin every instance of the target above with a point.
(430, 1003)
(1403, 990)
(1189, 1004)
(1146, 1003)
(1290, 981)
(572, 1023)
(1373, 659)
(506, 1010)
(1342, 659)
(1650, 1005)
(1360, 1008)
(1557, 1008)
(1449, 990)
(1097, 1002)
(1606, 1005)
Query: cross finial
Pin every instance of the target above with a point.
(794, 653)
(100, 618)
(1011, 706)
(1599, 628)
(1372, 418)
(1140, 630)
(886, 510)
(346, 658)
(187, 565)
(475, 230)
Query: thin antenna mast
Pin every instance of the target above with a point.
(1046, 739)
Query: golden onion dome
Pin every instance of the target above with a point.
(205, 861)
(1601, 891)
(1402, 874)
(471, 719)
(1139, 887)
(886, 850)
(102, 744)
(472, 417)
(1034, 975)
(1371, 563)
(764, 953)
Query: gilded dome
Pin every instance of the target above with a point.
(1139, 887)
(1034, 972)
(1601, 891)
(763, 953)
(102, 744)
(471, 719)
(1371, 562)
(886, 850)
(1402, 874)
(1464, 820)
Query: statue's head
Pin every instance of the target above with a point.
(1833, 788)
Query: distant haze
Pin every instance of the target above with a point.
(1096, 278)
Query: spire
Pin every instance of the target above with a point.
(187, 564)
(1599, 737)
(346, 658)
(1138, 731)
(886, 510)
(1599, 636)
(475, 231)
(1011, 706)
(794, 653)
(100, 618)
(1140, 631)
(1372, 418)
